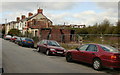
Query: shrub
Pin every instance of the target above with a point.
(14, 32)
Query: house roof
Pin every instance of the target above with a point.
(28, 18)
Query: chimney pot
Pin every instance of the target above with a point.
(30, 14)
(40, 11)
(18, 18)
(23, 17)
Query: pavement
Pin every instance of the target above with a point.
(0, 55)
(17, 59)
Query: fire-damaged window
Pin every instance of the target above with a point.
(34, 22)
(36, 33)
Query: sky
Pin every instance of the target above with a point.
(74, 12)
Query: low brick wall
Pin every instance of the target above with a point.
(44, 34)
(60, 35)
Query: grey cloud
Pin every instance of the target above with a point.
(42, 0)
(60, 0)
(30, 6)
(112, 6)
(11, 10)
(119, 10)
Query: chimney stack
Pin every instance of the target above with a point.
(23, 17)
(18, 18)
(30, 14)
(40, 11)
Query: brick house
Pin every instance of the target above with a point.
(30, 24)
(37, 21)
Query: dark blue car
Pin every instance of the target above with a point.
(26, 42)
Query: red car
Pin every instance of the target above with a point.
(13, 38)
(50, 47)
(96, 54)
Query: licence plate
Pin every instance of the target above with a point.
(60, 52)
(29, 42)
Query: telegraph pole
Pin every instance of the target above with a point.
(5, 26)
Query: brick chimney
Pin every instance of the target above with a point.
(18, 19)
(40, 11)
(23, 17)
(30, 14)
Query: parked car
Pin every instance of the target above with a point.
(7, 37)
(96, 54)
(17, 40)
(50, 47)
(0, 35)
(13, 38)
(26, 42)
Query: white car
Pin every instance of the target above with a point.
(7, 37)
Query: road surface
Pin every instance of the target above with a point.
(17, 59)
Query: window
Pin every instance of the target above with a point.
(83, 47)
(53, 43)
(105, 49)
(39, 43)
(35, 33)
(92, 48)
(109, 48)
(44, 42)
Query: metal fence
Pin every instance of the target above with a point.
(110, 39)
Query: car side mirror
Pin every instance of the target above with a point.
(77, 49)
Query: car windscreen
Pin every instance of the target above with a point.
(53, 43)
(109, 48)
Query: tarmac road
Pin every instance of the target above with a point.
(17, 59)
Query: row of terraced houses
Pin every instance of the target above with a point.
(38, 24)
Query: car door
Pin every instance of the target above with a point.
(90, 53)
(43, 46)
(78, 55)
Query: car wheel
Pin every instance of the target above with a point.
(33, 46)
(38, 49)
(97, 64)
(22, 45)
(48, 52)
(69, 57)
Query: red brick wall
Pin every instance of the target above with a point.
(44, 34)
(56, 35)
(67, 35)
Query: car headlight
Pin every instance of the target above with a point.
(65, 50)
(52, 49)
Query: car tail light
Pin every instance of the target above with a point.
(24, 40)
(113, 57)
